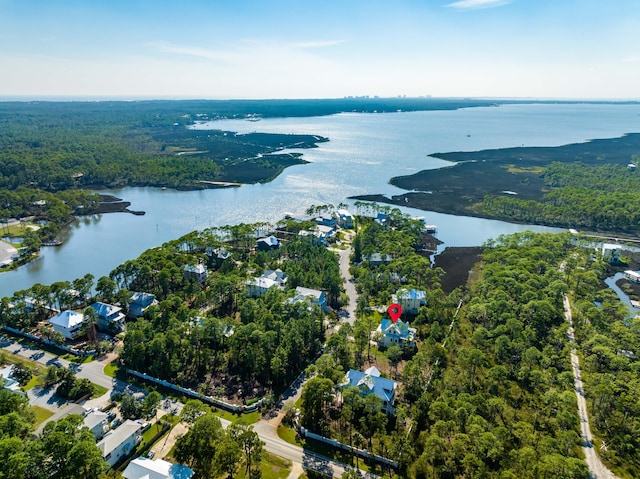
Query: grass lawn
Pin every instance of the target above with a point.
(111, 369)
(274, 467)
(246, 419)
(98, 391)
(288, 434)
(33, 382)
(42, 414)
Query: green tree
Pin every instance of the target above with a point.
(198, 447)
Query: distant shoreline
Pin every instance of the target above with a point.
(455, 189)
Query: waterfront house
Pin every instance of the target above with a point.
(68, 323)
(217, 255)
(632, 276)
(195, 272)
(268, 243)
(383, 220)
(139, 303)
(611, 253)
(410, 299)
(120, 442)
(396, 333)
(110, 317)
(345, 219)
(98, 423)
(327, 220)
(312, 297)
(370, 382)
(143, 468)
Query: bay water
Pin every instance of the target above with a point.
(364, 152)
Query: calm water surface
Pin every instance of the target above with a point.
(364, 151)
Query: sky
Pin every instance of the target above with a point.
(220, 49)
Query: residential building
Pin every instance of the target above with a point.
(345, 219)
(259, 286)
(110, 317)
(378, 259)
(139, 303)
(327, 220)
(143, 468)
(611, 252)
(396, 333)
(633, 276)
(383, 220)
(8, 381)
(370, 382)
(410, 299)
(98, 423)
(120, 442)
(312, 297)
(68, 323)
(196, 272)
(267, 244)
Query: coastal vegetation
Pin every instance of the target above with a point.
(592, 185)
(487, 391)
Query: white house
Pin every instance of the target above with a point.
(139, 303)
(197, 272)
(8, 381)
(143, 468)
(396, 333)
(370, 382)
(632, 276)
(312, 297)
(410, 299)
(120, 442)
(68, 323)
(110, 317)
(98, 423)
(259, 286)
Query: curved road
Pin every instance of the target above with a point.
(596, 467)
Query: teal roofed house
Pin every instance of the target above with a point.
(396, 333)
(110, 317)
(370, 382)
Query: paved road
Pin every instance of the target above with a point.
(596, 467)
(349, 285)
(266, 429)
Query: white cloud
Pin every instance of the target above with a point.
(473, 4)
(633, 59)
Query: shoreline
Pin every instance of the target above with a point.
(458, 188)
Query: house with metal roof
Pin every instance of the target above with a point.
(110, 317)
(312, 297)
(410, 299)
(396, 333)
(68, 323)
(139, 303)
(370, 382)
(143, 468)
(120, 442)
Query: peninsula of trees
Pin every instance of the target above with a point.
(594, 186)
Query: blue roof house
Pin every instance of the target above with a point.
(370, 382)
(110, 317)
(396, 333)
(410, 299)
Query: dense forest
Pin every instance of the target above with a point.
(596, 198)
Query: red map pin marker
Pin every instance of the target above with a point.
(395, 311)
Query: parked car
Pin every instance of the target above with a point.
(150, 454)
